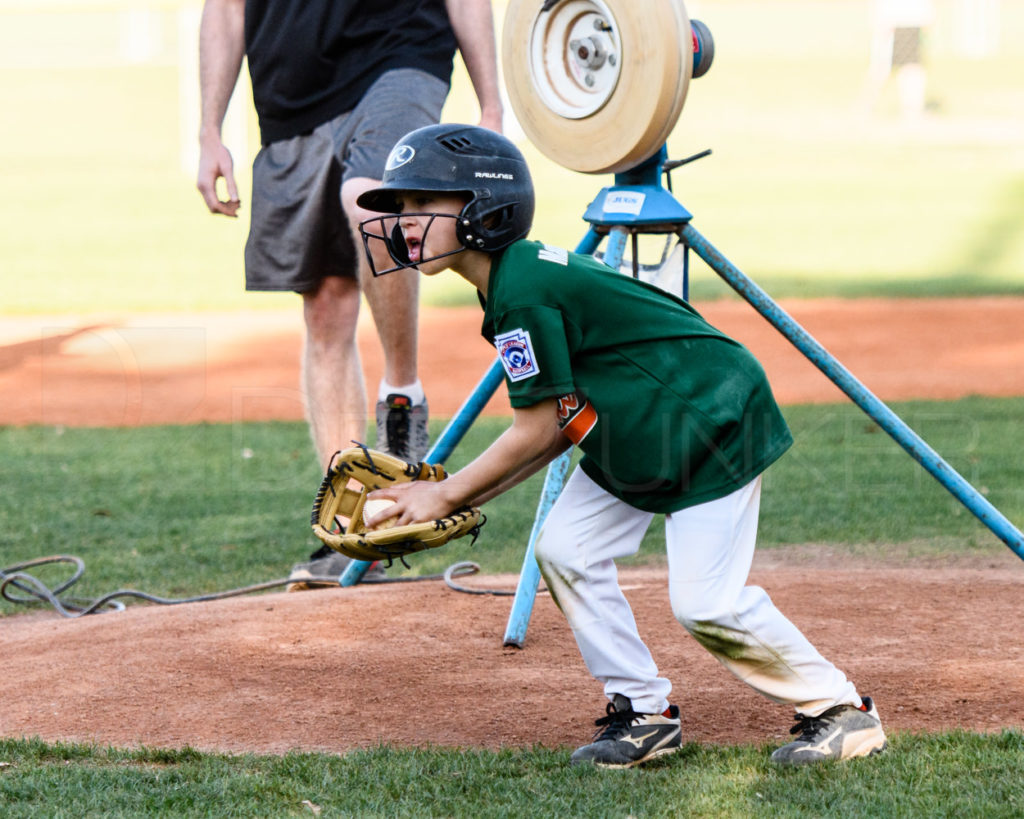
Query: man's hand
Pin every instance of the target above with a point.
(492, 118)
(215, 163)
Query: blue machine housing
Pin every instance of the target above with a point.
(638, 198)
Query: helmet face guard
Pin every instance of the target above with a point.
(466, 160)
(386, 229)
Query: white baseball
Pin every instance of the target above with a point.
(373, 507)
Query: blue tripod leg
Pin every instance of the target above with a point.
(897, 429)
(558, 470)
(467, 414)
(444, 445)
(529, 575)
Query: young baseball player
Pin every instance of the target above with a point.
(672, 418)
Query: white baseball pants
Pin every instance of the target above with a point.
(710, 549)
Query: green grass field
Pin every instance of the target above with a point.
(177, 511)
(954, 775)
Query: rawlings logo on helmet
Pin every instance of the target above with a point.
(399, 156)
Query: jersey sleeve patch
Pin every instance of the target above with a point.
(516, 354)
(576, 417)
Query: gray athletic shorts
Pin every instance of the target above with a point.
(906, 46)
(298, 232)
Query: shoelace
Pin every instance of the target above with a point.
(617, 722)
(397, 425)
(811, 725)
(806, 726)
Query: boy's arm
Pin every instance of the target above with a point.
(533, 440)
(558, 446)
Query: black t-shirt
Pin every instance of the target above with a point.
(311, 60)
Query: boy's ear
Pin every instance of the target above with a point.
(399, 249)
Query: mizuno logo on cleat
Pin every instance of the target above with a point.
(821, 747)
(638, 741)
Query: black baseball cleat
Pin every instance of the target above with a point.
(630, 738)
(324, 569)
(841, 732)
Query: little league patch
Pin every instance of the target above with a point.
(516, 354)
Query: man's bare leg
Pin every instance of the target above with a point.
(332, 373)
(393, 299)
(335, 396)
(394, 303)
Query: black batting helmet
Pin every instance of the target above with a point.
(477, 162)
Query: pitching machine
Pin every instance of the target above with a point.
(598, 86)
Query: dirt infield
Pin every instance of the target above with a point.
(936, 645)
(179, 369)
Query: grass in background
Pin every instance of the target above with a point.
(179, 511)
(803, 192)
(846, 481)
(955, 775)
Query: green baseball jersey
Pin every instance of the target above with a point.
(668, 411)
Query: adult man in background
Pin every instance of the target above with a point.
(335, 84)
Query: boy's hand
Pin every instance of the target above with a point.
(413, 503)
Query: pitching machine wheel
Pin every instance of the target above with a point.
(598, 85)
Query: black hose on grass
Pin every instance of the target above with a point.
(34, 591)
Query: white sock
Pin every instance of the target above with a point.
(414, 391)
